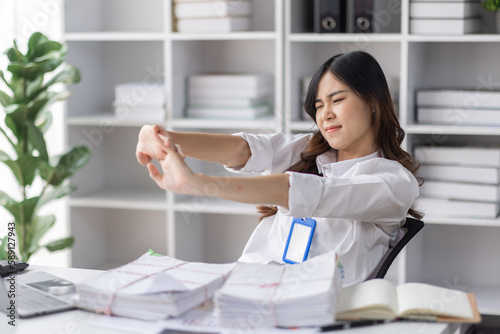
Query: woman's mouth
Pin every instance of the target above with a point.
(332, 128)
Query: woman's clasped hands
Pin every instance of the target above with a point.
(156, 144)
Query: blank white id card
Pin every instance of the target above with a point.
(299, 240)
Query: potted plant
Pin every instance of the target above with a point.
(494, 6)
(33, 86)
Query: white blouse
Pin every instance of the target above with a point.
(359, 204)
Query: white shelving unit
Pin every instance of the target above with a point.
(118, 212)
(116, 41)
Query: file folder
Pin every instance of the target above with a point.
(363, 16)
(330, 16)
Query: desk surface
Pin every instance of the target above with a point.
(82, 322)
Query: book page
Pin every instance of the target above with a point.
(423, 299)
(374, 299)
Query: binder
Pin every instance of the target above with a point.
(330, 16)
(363, 16)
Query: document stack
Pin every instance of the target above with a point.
(258, 295)
(136, 101)
(229, 96)
(152, 287)
(445, 17)
(458, 107)
(459, 181)
(212, 16)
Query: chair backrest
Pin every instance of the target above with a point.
(410, 228)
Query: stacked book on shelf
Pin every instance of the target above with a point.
(229, 96)
(445, 17)
(152, 287)
(261, 295)
(462, 182)
(458, 107)
(212, 16)
(139, 101)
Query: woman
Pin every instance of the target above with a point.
(352, 176)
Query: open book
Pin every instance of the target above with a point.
(381, 299)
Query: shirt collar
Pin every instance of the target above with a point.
(329, 166)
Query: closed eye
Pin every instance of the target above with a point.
(338, 100)
(318, 107)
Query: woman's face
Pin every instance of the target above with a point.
(344, 119)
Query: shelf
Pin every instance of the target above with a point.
(106, 119)
(122, 199)
(462, 221)
(114, 36)
(268, 123)
(452, 130)
(314, 37)
(244, 35)
(214, 205)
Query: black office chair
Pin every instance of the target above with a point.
(410, 228)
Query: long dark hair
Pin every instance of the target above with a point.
(364, 76)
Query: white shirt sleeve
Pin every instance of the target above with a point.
(377, 190)
(272, 153)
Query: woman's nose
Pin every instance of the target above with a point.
(328, 114)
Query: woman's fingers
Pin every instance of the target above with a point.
(143, 159)
(155, 174)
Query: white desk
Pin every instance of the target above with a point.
(77, 321)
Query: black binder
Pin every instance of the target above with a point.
(363, 16)
(330, 16)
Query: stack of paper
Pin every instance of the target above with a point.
(445, 17)
(229, 96)
(139, 101)
(212, 16)
(458, 107)
(152, 287)
(459, 181)
(257, 295)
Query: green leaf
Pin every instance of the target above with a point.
(50, 61)
(17, 87)
(5, 99)
(36, 39)
(44, 120)
(70, 163)
(54, 193)
(39, 227)
(14, 120)
(34, 86)
(43, 49)
(35, 137)
(35, 107)
(27, 208)
(24, 169)
(4, 156)
(15, 55)
(27, 71)
(10, 205)
(68, 75)
(4, 255)
(60, 244)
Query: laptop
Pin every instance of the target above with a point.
(36, 293)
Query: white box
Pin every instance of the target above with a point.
(444, 10)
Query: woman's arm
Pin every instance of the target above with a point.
(179, 178)
(232, 151)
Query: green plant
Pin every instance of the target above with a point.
(41, 178)
(492, 5)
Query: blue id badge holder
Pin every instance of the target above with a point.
(299, 240)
